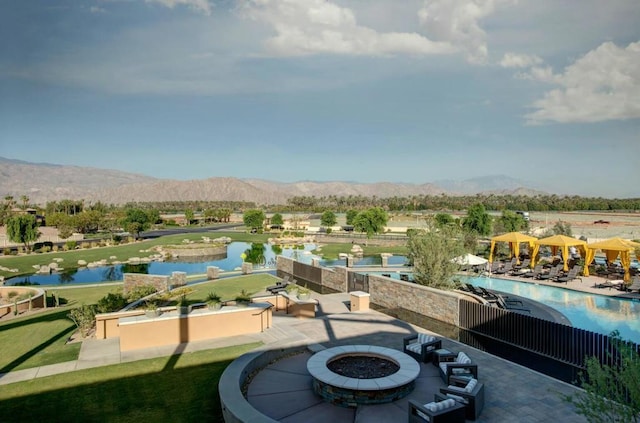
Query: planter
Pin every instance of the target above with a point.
(305, 296)
(152, 313)
(214, 306)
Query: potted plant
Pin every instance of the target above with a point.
(183, 305)
(151, 309)
(291, 289)
(304, 293)
(213, 301)
(243, 299)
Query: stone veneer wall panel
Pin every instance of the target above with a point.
(435, 303)
(134, 280)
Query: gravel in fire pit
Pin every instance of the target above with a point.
(363, 367)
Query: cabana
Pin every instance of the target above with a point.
(561, 242)
(612, 248)
(514, 239)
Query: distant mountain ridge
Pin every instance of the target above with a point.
(43, 182)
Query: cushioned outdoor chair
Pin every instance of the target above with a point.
(459, 365)
(537, 270)
(445, 411)
(421, 346)
(569, 276)
(466, 391)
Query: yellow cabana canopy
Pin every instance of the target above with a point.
(514, 239)
(562, 242)
(612, 248)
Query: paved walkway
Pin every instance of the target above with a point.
(283, 389)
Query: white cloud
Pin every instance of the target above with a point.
(97, 10)
(202, 6)
(305, 27)
(514, 60)
(458, 22)
(602, 85)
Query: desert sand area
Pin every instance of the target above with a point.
(595, 226)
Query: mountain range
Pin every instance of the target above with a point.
(43, 182)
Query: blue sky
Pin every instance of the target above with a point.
(357, 90)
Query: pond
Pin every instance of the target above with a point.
(262, 255)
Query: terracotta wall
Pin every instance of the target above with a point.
(172, 329)
(38, 299)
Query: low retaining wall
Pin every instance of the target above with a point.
(235, 407)
(38, 299)
(137, 332)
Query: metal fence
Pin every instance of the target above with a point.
(565, 344)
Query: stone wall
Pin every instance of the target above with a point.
(390, 293)
(434, 303)
(134, 280)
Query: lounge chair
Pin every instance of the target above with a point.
(617, 284)
(466, 391)
(508, 300)
(537, 271)
(508, 267)
(421, 346)
(553, 273)
(635, 285)
(278, 287)
(571, 275)
(506, 306)
(458, 365)
(523, 264)
(445, 410)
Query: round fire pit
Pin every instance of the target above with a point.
(364, 374)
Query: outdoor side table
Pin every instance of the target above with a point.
(441, 355)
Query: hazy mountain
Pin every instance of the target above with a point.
(43, 182)
(489, 183)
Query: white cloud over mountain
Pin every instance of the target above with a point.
(602, 85)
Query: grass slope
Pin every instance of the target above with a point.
(181, 388)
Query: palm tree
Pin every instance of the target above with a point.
(25, 201)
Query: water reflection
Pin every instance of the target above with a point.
(258, 254)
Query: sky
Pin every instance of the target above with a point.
(412, 91)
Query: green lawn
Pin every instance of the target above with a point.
(181, 388)
(40, 339)
(331, 251)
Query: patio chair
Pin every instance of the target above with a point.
(523, 264)
(508, 300)
(278, 287)
(438, 411)
(466, 391)
(571, 275)
(458, 365)
(421, 346)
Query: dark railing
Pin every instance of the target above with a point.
(564, 344)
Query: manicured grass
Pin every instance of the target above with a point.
(331, 251)
(180, 388)
(25, 263)
(40, 339)
(229, 288)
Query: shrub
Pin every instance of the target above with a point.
(84, 317)
(70, 245)
(6, 251)
(140, 291)
(86, 245)
(12, 294)
(111, 302)
(45, 249)
(55, 248)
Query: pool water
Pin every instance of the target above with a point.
(266, 259)
(593, 312)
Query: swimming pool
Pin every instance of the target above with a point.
(593, 312)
